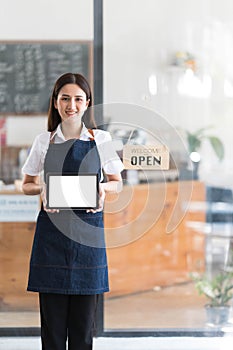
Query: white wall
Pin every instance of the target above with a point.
(46, 19)
(140, 39)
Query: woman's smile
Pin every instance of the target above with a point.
(71, 113)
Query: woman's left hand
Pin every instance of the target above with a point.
(113, 185)
(102, 194)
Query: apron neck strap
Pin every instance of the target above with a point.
(92, 134)
(51, 140)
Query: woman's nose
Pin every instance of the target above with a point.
(72, 103)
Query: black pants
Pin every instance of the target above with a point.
(65, 317)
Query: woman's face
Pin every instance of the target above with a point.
(71, 102)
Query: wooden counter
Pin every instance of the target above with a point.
(15, 248)
(145, 256)
(141, 254)
(16, 238)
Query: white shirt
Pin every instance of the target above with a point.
(110, 161)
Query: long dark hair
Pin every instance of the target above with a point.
(70, 78)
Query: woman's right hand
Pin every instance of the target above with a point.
(44, 201)
(32, 186)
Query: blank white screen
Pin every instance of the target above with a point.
(79, 191)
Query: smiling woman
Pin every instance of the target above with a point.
(68, 265)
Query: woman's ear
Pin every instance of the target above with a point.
(55, 103)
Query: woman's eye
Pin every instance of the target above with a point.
(66, 99)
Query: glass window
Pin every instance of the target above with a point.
(167, 80)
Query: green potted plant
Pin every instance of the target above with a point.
(219, 292)
(196, 138)
(194, 141)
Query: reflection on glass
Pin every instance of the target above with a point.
(153, 85)
(191, 85)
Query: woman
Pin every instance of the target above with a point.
(68, 266)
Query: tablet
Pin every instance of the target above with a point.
(72, 191)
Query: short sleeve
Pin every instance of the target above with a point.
(35, 161)
(110, 160)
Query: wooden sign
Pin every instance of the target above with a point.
(146, 157)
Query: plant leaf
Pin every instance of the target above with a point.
(193, 142)
(217, 146)
(200, 132)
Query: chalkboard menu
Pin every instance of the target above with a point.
(28, 72)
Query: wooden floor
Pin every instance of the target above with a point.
(171, 307)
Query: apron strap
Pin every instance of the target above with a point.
(92, 134)
(51, 139)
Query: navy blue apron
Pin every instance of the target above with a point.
(68, 253)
